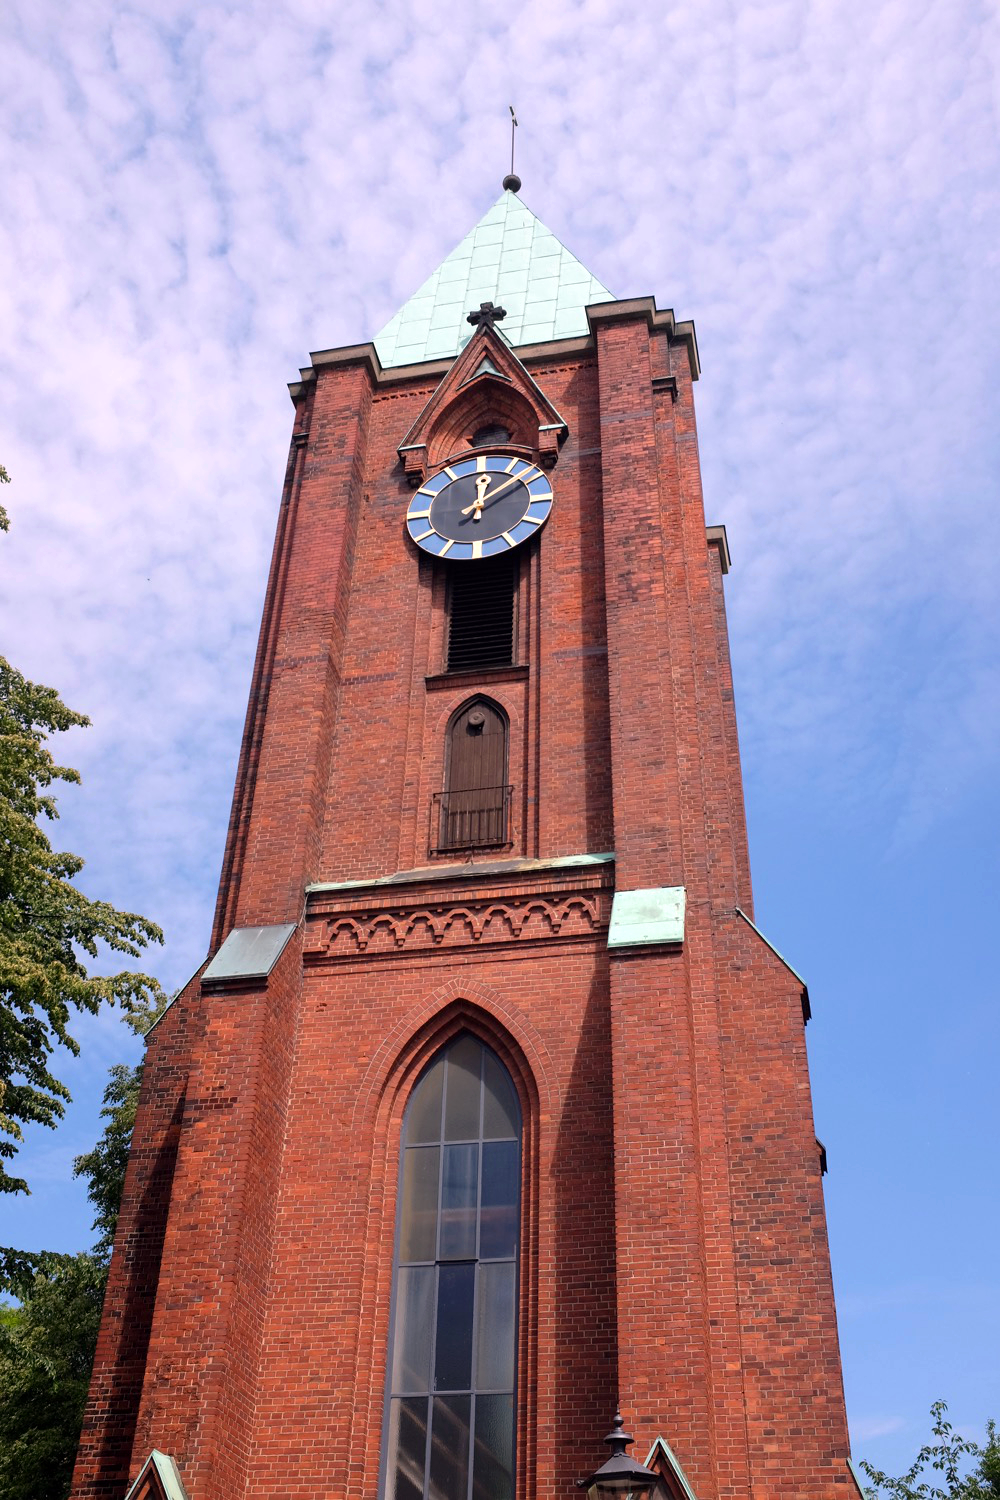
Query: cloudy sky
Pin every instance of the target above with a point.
(196, 196)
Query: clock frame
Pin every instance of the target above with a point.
(455, 515)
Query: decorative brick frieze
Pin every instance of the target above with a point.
(364, 924)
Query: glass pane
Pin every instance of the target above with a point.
(407, 1449)
(453, 1348)
(411, 1342)
(450, 1448)
(501, 1115)
(459, 1183)
(423, 1122)
(498, 1225)
(418, 1215)
(495, 1327)
(493, 1464)
(461, 1109)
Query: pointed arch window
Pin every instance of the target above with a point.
(451, 1379)
(474, 808)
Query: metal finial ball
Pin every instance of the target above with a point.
(512, 183)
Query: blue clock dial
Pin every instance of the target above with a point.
(479, 507)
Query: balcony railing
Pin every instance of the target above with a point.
(476, 819)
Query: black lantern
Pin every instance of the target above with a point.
(621, 1478)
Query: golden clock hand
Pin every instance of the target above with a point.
(482, 485)
(495, 494)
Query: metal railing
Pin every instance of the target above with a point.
(474, 819)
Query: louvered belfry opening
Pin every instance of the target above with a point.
(474, 810)
(481, 614)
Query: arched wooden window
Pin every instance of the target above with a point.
(475, 804)
(450, 1386)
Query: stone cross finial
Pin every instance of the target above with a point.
(487, 316)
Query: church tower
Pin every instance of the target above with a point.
(490, 1108)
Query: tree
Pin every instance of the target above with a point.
(949, 1455)
(46, 1351)
(46, 923)
(47, 1343)
(104, 1166)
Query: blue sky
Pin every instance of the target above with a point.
(197, 196)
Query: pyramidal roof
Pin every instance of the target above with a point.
(510, 258)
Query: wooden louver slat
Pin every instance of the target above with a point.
(481, 623)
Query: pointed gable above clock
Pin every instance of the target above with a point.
(487, 386)
(509, 257)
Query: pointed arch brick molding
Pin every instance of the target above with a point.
(383, 1096)
(486, 383)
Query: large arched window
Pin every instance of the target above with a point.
(450, 1386)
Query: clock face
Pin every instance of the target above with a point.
(479, 507)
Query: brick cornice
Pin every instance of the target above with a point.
(644, 309)
(351, 354)
(601, 314)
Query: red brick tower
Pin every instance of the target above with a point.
(491, 1108)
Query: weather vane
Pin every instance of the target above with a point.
(512, 183)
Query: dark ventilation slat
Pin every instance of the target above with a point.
(481, 626)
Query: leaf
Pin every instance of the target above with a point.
(48, 927)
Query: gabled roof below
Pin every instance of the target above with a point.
(158, 1480)
(665, 1462)
(511, 259)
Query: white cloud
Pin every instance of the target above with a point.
(864, 1429)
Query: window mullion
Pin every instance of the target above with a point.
(432, 1381)
(441, 1151)
(474, 1361)
(472, 1434)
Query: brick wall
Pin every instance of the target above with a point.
(674, 1248)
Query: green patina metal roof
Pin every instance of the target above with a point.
(509, 258)
(652, 915)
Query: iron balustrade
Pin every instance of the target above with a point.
(475, 819)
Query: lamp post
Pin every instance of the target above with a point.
(621, 1478)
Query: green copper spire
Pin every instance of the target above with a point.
(510, 258)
